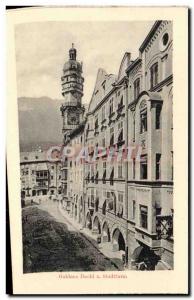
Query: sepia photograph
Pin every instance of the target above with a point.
(95, 119)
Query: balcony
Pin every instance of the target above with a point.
(164, 227)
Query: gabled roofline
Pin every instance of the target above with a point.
(149, 36)
(134, 63)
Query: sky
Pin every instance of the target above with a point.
(43, 48)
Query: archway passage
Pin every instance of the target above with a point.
(118, 240)
(96, 226)
(105, 233)
(88, 221)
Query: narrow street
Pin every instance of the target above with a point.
(52, 243)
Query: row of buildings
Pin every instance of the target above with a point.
(126, 203)
(115, 177)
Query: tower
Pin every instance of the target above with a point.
(72, 91)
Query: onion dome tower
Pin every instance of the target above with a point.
(72, 91)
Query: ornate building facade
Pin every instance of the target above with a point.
(40, 177)
(123, 191)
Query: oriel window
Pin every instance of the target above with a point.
(154, 75)
(136, 86)
(144, 166)
(158, 166)
(144, 216)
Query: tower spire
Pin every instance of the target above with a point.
(72, 53)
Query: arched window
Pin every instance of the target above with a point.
(154, 75)
(136, 86)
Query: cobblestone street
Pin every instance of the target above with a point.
(52, 243)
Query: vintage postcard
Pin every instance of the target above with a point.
(97, 149)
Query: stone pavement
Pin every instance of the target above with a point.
(104, 248)
(56, 210)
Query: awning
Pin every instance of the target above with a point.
(137, 253)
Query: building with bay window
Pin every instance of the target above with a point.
(126, 201)
(40, 177)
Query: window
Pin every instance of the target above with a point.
(104, 172)
(120, 205)
(111, 107)
(158, 116)
(92, 198)
(143, 118)
(136, 86)
(143, 166)
(154, 75)
(165, 39)
(144, 216)
(120, 105)
(111, 136)
(133, 168)
(120, 197)
(65, 189)
(133, 209)
(112, 177)
(120, 170)
(45, 173)
(103, 142)
(120, 132)
(158, 166)
(96, 123)
(51, 177)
